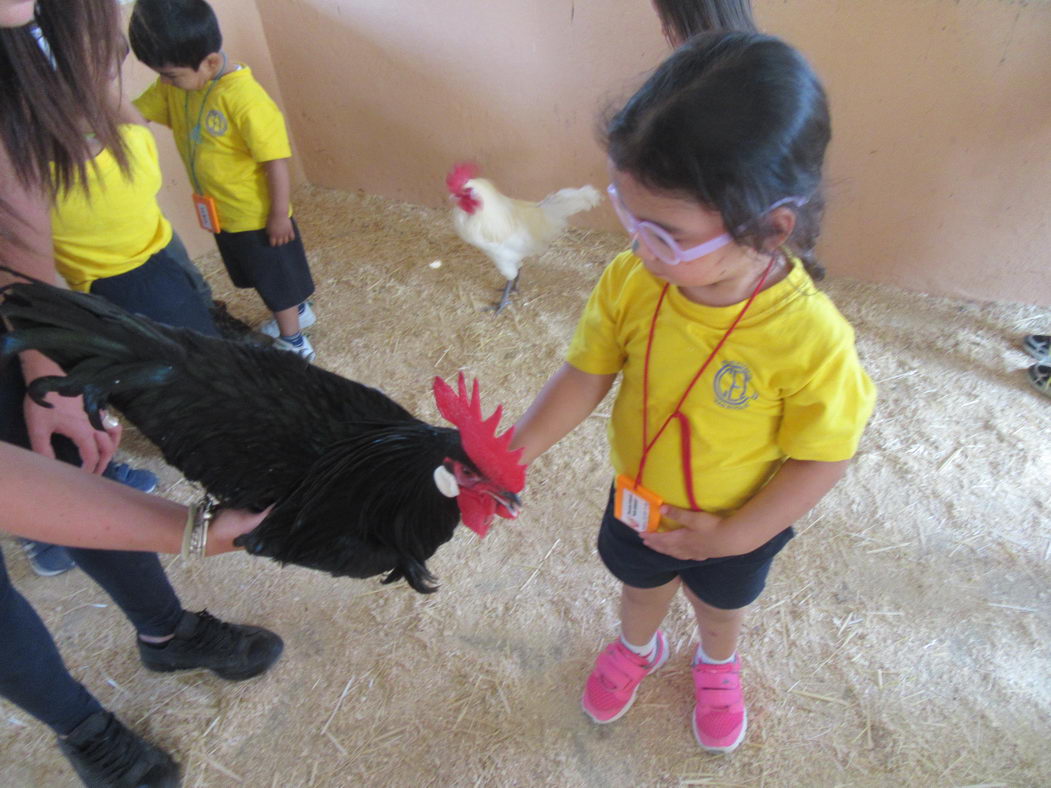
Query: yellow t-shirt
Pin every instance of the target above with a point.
(241, 128)
(787, 383)
(116, 224)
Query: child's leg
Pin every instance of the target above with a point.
(719, 629)
(719, 717)
(610, 689)
(720, 592)
(643, 609)
(288, 321)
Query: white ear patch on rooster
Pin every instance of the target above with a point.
(446, 482)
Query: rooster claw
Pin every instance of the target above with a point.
(505, 298)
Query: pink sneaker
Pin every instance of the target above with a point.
(719, 719)
(611, 687)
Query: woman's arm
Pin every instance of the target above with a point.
(25, 245)
(566, 400)
(53, 502)
(794, 490)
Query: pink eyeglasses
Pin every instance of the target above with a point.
(662, 245)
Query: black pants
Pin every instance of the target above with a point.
(32, 674)
(280, 274)
(162, 289)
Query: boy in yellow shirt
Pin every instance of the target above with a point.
(232, 139)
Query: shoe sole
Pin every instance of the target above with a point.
(631, 700)
(729, 747)
(229, 675)
(51, 572)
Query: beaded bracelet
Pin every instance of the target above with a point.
(195, 536)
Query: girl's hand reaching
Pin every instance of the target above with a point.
(702, 536)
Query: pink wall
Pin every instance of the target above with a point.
(245, 42)
(940, 169)
(941, 111)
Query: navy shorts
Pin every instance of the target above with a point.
(162, 289)
(725, 583)
(280, 274)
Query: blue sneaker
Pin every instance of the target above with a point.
(47, 560)
(139, 478)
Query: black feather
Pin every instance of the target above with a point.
(349, 471)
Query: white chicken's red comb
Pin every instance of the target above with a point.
(461, 173)
(487, 450)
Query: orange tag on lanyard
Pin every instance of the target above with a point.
(207, 213)
(635, 506)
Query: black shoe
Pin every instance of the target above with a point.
(105, 754)
(233, 651)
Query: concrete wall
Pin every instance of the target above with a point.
(245, 42)
(938, 172)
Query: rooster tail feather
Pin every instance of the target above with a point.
(562, 204)
(112, 331)
(415, 574)
(52, 339)
(103, 349)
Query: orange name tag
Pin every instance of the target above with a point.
(635, 506)
(207, 213)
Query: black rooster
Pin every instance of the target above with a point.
(359, 485)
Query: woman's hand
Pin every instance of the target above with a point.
(230, 524)
(67, 418)
(703, 535)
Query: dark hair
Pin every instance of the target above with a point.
(49, 94)
(174, 32)
(682, 19)
(735, 122)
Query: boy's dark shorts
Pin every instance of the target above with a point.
(280, 274)
(162, 289)
(725, 583)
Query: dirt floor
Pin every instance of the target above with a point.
(902, 639)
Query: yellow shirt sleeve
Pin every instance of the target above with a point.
(596, 347)
(262, 126)
(153, 104)
(823, 419)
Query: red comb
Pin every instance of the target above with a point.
(461, 173)
(487, 450)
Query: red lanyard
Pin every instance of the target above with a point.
(684, 423)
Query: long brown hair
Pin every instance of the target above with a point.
(685, 18)
(49, 96)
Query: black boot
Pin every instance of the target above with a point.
(232, 651)
(105, 754)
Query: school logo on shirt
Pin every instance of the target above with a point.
(215, 122)
(733, 386)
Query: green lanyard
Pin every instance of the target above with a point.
(195, 136)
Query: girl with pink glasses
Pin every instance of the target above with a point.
(741, 398)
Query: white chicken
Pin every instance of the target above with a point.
(509, 230)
